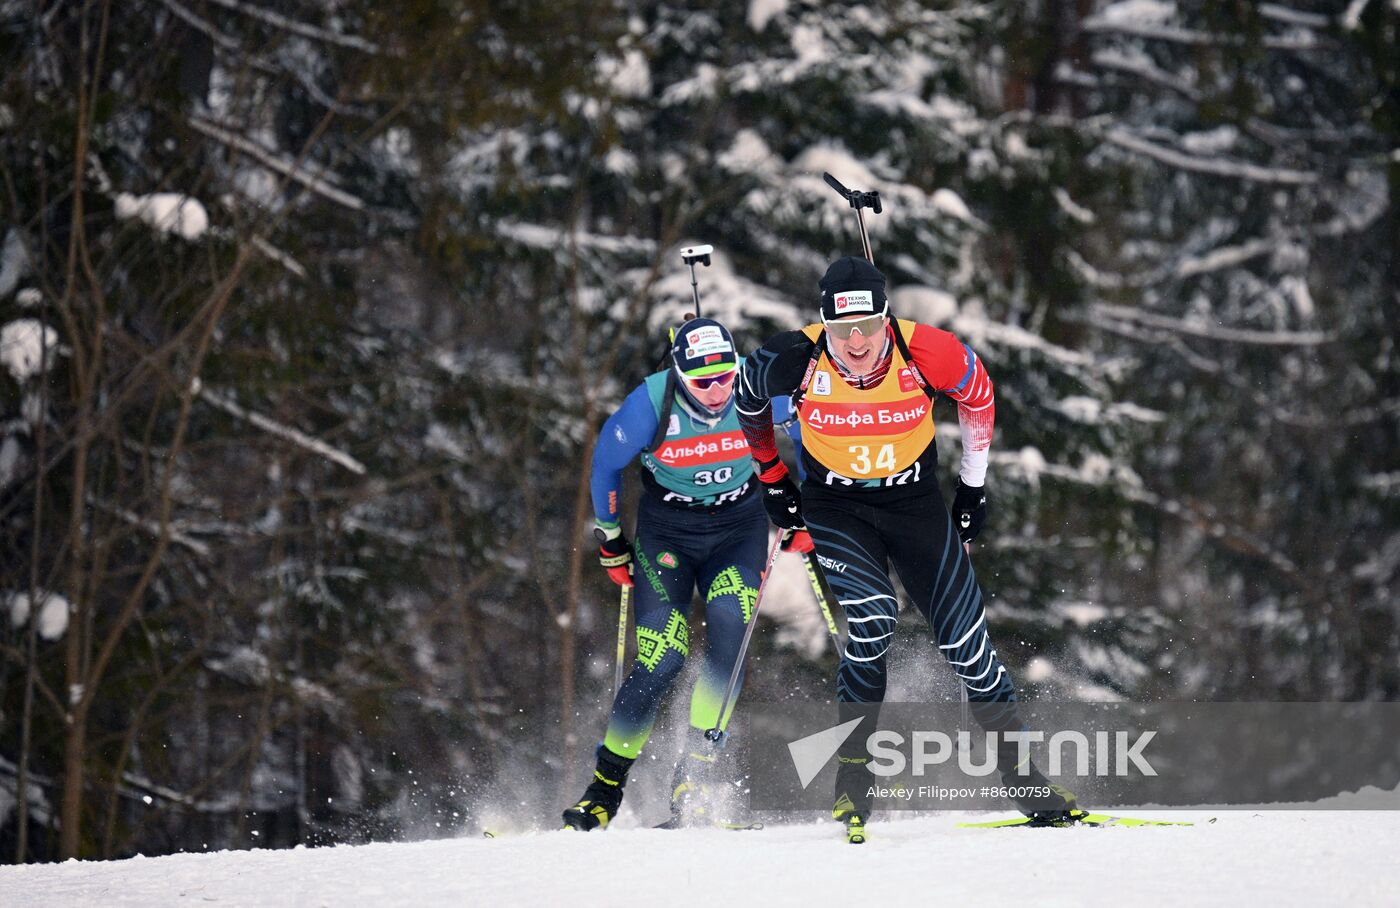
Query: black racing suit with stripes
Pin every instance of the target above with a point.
(860, 530)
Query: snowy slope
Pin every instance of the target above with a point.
(1244, 858)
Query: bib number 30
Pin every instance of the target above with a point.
(706, 477)
(860, 458)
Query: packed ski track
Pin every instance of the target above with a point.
(1275, 858)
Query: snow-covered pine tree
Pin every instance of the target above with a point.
(750, 102)
(1240, 249)
(267, 460)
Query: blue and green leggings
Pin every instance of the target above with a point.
(721, 552)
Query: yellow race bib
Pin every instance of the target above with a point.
(872, 433)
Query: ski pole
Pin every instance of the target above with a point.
(859, 201)
(962, 685)
(621, 638)
(716, 733)
(823, 602)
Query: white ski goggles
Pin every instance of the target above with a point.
(869, 326)
(706, 382)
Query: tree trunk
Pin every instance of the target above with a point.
(568, 650)
(32, 655)
(26, 723)
(86, 371)
(74, 759)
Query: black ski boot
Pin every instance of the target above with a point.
(852, 807)
(696, 785)
(1046, 803)
(603, 796)
(853, 778)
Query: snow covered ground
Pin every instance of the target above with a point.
(1274, 858)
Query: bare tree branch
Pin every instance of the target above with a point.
(299, 28)
(1218, 166)
(315, 181)
(1213, 332)
(286, 433)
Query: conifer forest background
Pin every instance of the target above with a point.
(310, 313)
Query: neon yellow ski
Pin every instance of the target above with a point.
(1080, 818)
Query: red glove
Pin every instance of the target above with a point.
(615, 554)
(798, 541)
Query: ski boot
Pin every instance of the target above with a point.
(855, 829)
(694, 784)
(852, 807)
(701, 793)
(1057, 808)
(603, 796)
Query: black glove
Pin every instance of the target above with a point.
(615, 554)
(780, 496)
(969, 510)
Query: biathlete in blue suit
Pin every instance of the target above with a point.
(700, 525)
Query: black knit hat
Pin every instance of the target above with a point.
(852, 286)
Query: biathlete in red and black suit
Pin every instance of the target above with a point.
(863, 386)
